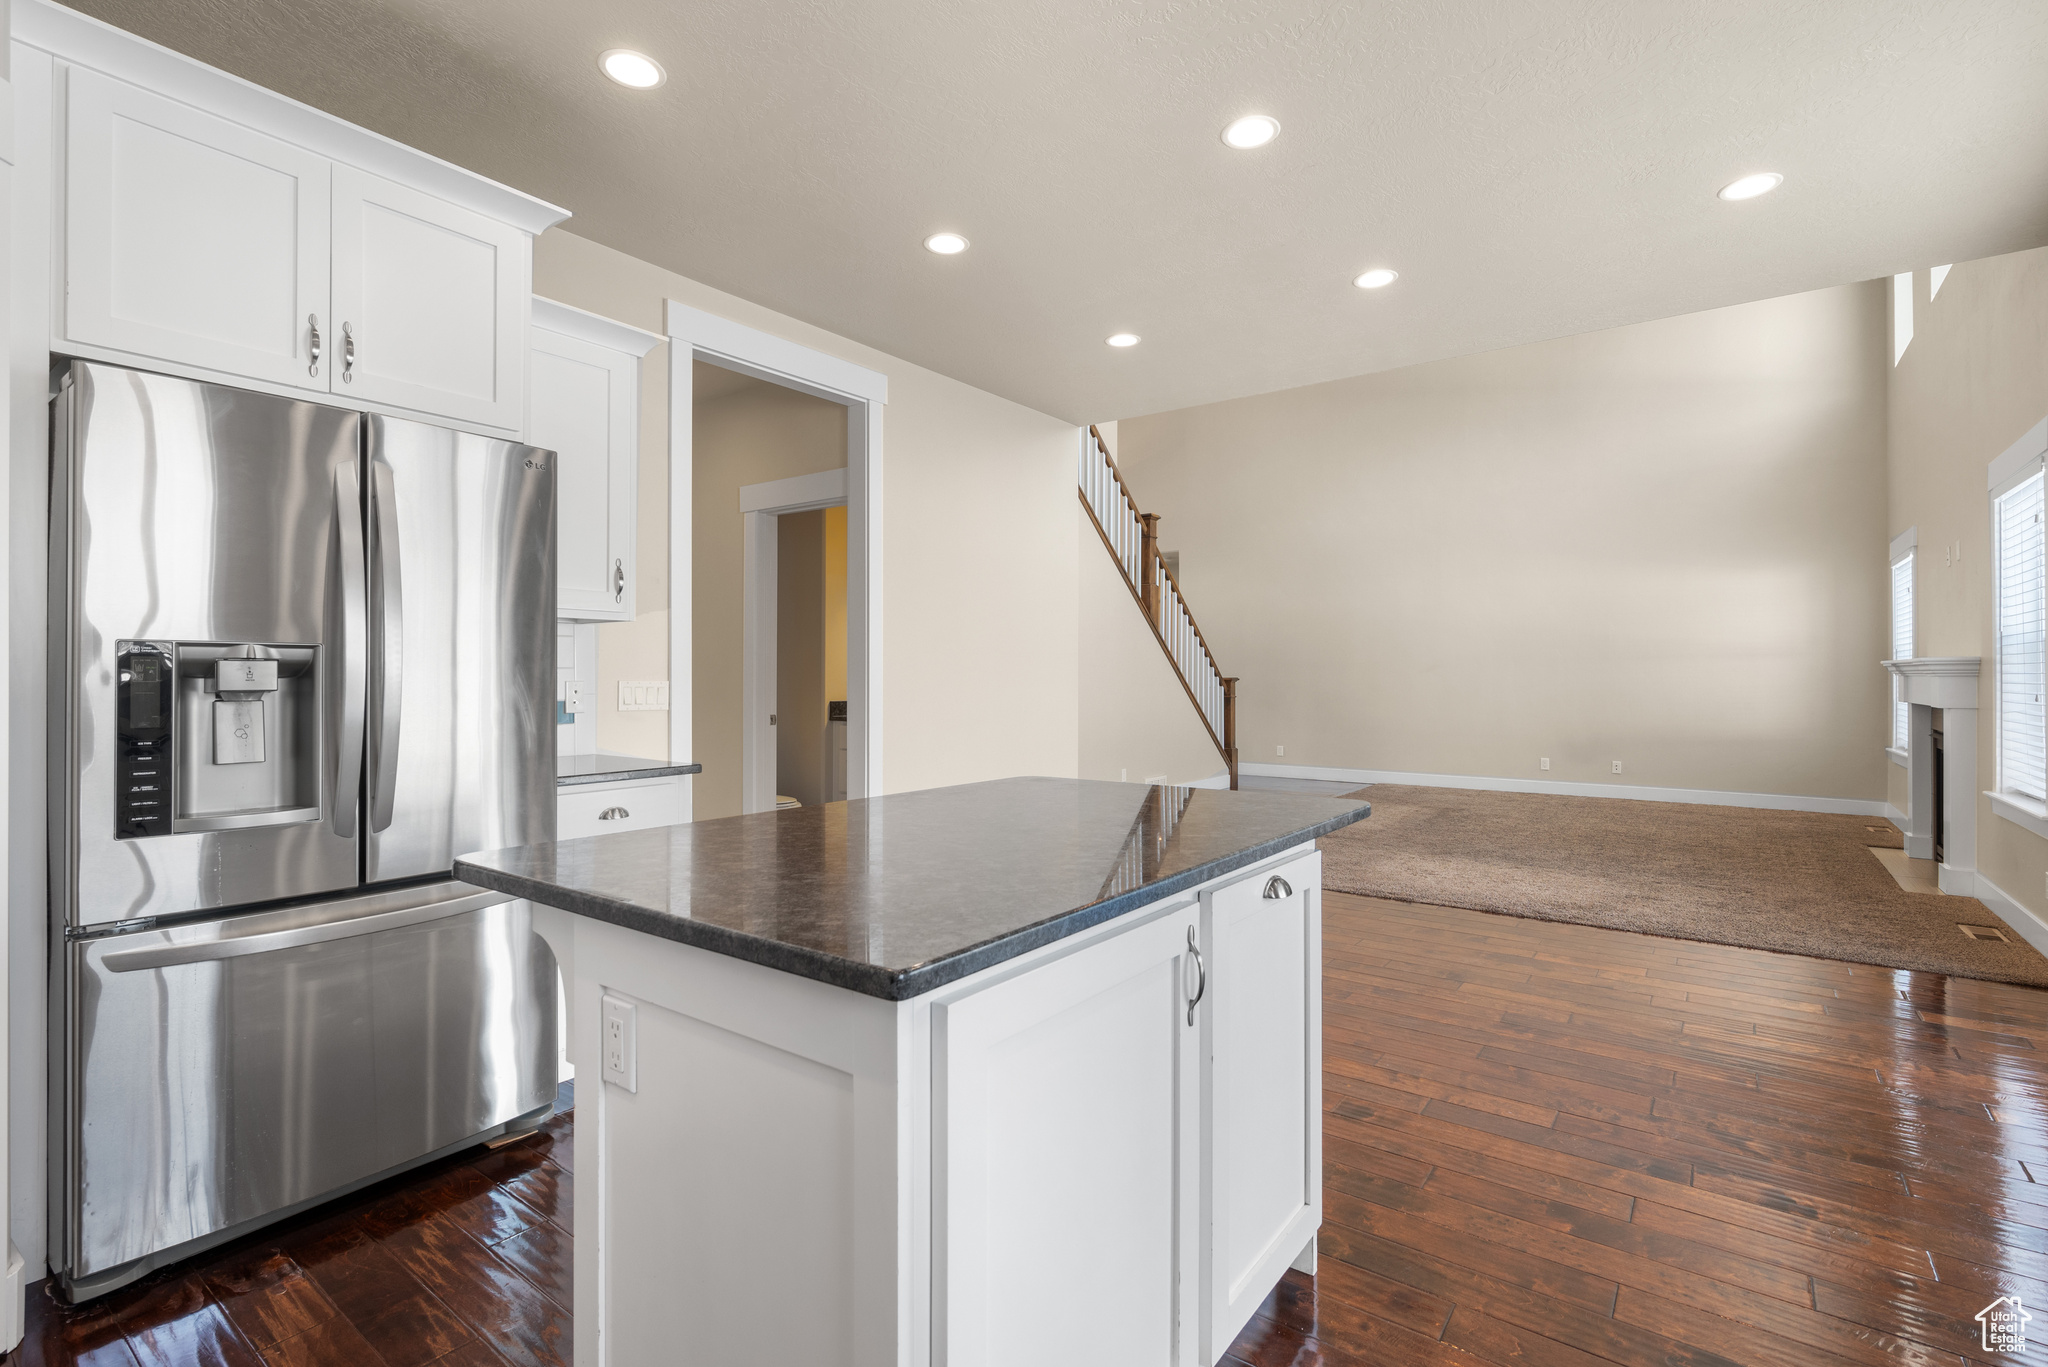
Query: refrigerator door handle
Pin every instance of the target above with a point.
(348, 753)
(386, 647)
(236, 946)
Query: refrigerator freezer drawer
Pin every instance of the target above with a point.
(228, 1070)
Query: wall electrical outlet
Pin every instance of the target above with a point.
(643, 695)
(1279, 750)
(1617, 766)
(1544, 764)
(621, 1044)
(573, 696)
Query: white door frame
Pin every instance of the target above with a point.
(761, 510)
(696, 335)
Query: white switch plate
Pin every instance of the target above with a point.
(1279, 750)
(643, 695)
(621, 1044)
(1545, 763)
(572, 696)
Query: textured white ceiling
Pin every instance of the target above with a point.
(1532, 169)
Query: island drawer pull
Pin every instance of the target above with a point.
(613, 814)
(1202, 978)
(1278, 887)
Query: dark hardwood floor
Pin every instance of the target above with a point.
(1549, 1144)
(464, 1263)
(1545, 1146)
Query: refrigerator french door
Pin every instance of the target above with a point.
(301, 659)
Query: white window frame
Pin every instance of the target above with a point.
(1905, 547)
(2023, 460)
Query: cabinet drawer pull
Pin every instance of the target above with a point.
(348, 354)
(613, 814)
(1201, 978)
(313, 347)
(1277, 887)
(618, 581)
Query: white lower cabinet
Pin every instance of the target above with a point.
(1262, 1089)
(1065, 1176)
(606, 808)
(1104, 1152)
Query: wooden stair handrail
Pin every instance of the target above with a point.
(1152, 566)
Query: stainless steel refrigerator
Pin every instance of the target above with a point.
(301, 659)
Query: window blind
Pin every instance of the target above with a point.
(2022, 738)
(1902, 640)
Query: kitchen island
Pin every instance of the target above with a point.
(1012, 1072)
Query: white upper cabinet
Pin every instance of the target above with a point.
(429, 303)
(206, 227)
(583, 403)
(191, 238)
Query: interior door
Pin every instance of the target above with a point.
(430, 303)
(460, 723)
(190, 238)
(579, 404)
(1263, 1100)
(1066, 1189)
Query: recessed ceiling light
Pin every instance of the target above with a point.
(946, 244)
(1123, 339)
(635, 69)
(1376, 278)
(1253, 130)
(1749, 187)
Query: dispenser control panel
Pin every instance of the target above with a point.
(142, 771)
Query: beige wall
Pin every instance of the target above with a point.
(1662, 544)
(1973, 381)
(979, 647)
(751, 435)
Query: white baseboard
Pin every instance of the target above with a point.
(2032, 928)
(1781, 802)
(1221, 780)
(1896, 817)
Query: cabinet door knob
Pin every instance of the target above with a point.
(618, 581)
(1201, 979)
(348, 354)
(1277, 887)
(313, 347)
(613, 814)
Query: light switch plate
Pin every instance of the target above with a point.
(643, 695)
(621, 1044)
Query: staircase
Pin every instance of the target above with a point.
(1132, 539)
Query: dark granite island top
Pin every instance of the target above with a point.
(895, 896)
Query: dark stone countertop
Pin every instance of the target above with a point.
(603, 768)
(898, 895)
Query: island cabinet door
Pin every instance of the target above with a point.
(1262, 1122)
(1065, 1175)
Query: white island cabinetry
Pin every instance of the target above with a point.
(1103, 1150)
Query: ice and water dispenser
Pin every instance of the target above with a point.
(216, 737)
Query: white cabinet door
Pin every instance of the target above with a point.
(191, 239)
(1263, 1098)
(582, 402)
(430, 304)
(1064, 1182)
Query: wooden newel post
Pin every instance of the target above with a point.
(1230, 728)
(1148, 560)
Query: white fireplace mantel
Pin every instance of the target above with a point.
(1948, 683)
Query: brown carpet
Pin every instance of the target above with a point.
(1801, 882)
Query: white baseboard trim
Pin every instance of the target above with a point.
(1896, 817)
(1221, 780)
(2032, 928)
(1706, 797)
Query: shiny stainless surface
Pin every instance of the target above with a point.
(181, 512)
(387, 651)
(346, 656)
(213, 1085)
(476, 562)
